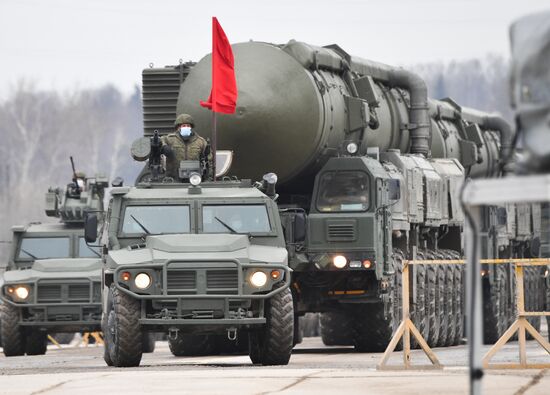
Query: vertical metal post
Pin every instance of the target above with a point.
(214, 135)
(474, 298)
(406, 316)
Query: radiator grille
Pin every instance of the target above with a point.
(79, 293)
(341, 232)
(49, 293)
(222, 281)
(185, 280)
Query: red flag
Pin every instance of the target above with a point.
(223, 96)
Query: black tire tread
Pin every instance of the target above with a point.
(127, 350)
(13, 338)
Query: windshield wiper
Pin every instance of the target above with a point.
(29, 254)
(140, 225)
(227, 226)
(94, 251)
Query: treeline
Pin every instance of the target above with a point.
(39, 130)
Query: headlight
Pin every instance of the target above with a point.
(352, 148)
(20, 292)
(339, 261)
(195, 179)
(258, 279)
(142, 280)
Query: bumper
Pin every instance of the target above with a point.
(197, 307)
(60, 316)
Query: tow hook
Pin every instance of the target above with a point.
(173, 333)
(232, 334)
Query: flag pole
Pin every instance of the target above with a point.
(214, 133)
(214, 120)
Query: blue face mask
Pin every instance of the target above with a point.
(185, 131)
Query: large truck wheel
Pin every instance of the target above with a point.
(272, 345)
(375, 323)
(13, 339)
(450, 296)
(191, 345)
(310, 325)
(123, 338)
(36, 342)
(336, 328)
(432, 302)
(458, 304)
(148, 342)
(418, 308)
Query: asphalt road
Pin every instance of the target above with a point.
(313, 369)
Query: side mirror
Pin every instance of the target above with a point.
(394, 189)
(299, 228)
(90, 228)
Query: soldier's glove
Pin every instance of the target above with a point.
(167, 151)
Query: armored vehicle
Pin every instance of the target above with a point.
(53, 279)
(373, 168)
(196, 259)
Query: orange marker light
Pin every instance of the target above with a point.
(275, 274)
(367, 264)
(125, 276)
(10, 290)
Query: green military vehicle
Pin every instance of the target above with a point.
(374, 168)
(52, 283)
(194, 259)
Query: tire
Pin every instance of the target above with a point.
(13, 338)
(418, 309)
(148, 342)
(310, 325)
(225, 346)
(192, 345)
(273, 344)
(104, 329)
(450, 296)
(441, 307)
(432, 305)
(459, 304)
(375, 323)
(336, 328)
(298, 336)
(123, 338)
(532, 297)
(36, 342)
(63, 338)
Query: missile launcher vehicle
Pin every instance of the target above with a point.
(53, 279)
(373, 169)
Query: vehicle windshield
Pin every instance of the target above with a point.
(343, 191)
(249, 218)
(86, 251)
(161, 219)
(44, 248)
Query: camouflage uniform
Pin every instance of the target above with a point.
(182, 150)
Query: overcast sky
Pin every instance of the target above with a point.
(66, 44)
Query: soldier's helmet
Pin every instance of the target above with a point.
(184, 118)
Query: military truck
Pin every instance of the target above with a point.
(196, 259)
(52, 283)
(374, 169)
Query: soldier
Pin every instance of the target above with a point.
(183, 144)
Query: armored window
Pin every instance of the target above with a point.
(86, 251)
(341, 191)
(44, 248)
(161, 219)
(245, 218)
